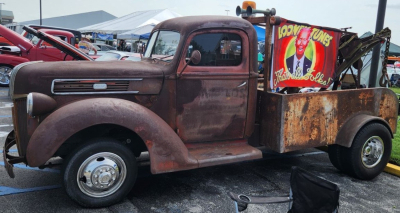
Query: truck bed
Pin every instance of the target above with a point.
(289, 122)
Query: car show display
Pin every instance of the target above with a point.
(193, 99)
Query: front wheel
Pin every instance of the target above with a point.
(101, 173)
(4, 74)
(370, 151)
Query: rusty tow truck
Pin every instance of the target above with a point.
(189, 103)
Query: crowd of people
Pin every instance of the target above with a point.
(137, 47)
(85, 45)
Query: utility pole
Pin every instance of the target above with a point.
(1, 18)
(380, 19)
(40, 12)
(227, 11)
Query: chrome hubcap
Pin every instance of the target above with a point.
(4, 75)
(101, 174)
(372, 151)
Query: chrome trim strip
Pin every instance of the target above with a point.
(244, 83)
(97, 86)
(99, 79)
(94, 93)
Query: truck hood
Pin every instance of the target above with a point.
(61, 78)
(15, 38)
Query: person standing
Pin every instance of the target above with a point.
(85, 46)
(121, 45)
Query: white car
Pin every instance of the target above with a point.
(114, 55)
(101, 48)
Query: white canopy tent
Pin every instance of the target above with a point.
(131, 21)
(142, 32)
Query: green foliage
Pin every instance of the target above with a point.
(395, 89)
(395, 156)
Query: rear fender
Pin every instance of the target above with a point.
(348, 131)
(167, 151)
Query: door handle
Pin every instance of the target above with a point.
(244, 83)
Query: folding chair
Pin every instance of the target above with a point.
(308, 193)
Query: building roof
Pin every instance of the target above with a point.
(131, 21)
(7, 14)
(74, 21)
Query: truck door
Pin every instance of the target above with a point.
(212, 96)
(47, 52)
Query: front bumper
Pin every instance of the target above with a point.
(10, 160)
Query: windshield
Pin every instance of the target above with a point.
(34, 39)
(162, 45)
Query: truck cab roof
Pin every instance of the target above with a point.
(187, 24)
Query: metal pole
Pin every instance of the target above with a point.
(40, 12)
(1, 18)
(380, 19)
(227, 11)
(267, 56)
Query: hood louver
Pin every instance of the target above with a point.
(92, 86)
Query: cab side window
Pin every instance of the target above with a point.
(217, 49)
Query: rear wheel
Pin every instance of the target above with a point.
(370, 151)
(101, 173)
(4, 74)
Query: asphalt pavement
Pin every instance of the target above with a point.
(195, 191)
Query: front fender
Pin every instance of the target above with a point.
(167, 151)
(348, 131)
(12, 60)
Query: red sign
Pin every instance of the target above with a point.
(304, 55)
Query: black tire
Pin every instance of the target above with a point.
(367, 139)
(98, 159)
(5, 69)
(335, 153)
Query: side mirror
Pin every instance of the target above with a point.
(195, 58)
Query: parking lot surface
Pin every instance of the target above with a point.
(200, 190)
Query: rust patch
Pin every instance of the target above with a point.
(298, 121)
(313, 124)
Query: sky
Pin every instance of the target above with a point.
(358, 14)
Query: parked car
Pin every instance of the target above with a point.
(44, 45)
(101, 48)
(115, 55)
(77, 34)
(133, 58)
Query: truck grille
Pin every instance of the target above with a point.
(91, 86)
(20, 125)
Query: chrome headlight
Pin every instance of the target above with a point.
(29, 104)
(39, 104)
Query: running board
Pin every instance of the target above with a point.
(219, 153)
